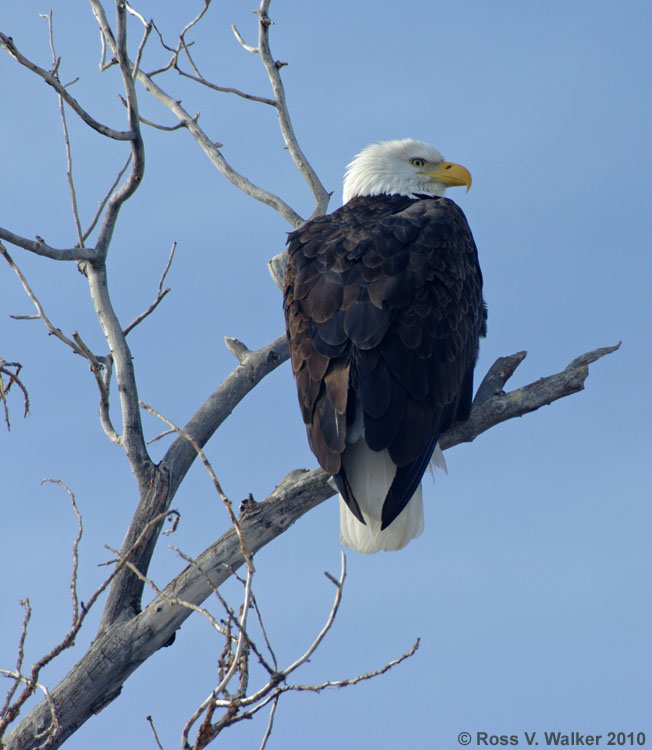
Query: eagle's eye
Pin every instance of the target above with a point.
(418, 162)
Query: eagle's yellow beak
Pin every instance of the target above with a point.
(451, 175)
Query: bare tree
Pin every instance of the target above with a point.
(130, 633)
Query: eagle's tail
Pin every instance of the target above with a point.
(369, 475)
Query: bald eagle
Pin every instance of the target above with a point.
(384, 311)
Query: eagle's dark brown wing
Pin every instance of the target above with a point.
(383, 306)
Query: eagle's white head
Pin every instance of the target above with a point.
(403, 167)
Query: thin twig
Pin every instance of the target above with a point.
(7, 43)
(143, 41)
(283, 674)
(182, 42)
(194, 21)
(202, 573)
(272, 670)
(75, 547)
(41, 312)
(212, 698)
(229, 89)
(62, 113)
(159, 296)
(270, 722)
(156, 125)
(216, 482)
(172, 601)
(150, 721)
(272, 66)
(167, 128)
(355, 680)
(105, 200)
(278, 690)
(339, 586)
(20, 657)
(160, 436)
(173, 58)
(224, 89)
(4, 389)
(261, 625)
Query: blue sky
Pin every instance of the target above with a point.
(530, 587)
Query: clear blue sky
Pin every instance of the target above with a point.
(530, 587)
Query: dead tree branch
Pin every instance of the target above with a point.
(273, 68)
(121, 648)
(101, 367)
(7, 43)
(211, 150)
(40, 247)
(233, 705)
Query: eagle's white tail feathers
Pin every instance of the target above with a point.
(370, 474)
(438, 461)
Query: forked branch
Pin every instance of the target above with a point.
(11, 371)
(8, 44)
